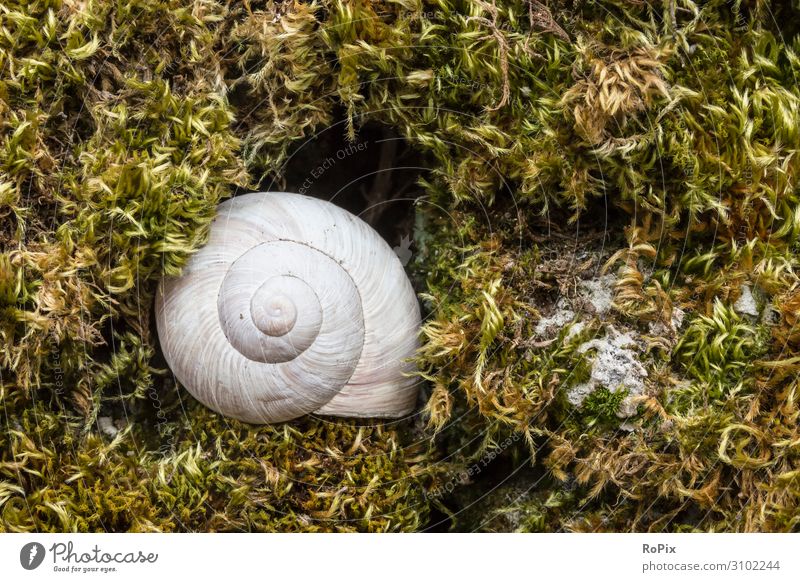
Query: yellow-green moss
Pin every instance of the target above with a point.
(653, 141)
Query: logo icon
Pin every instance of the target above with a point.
(31, 555)
(403, 251)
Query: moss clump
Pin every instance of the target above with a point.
(120, 137)
(655, 143)
(697, 146)
(718, 352)
(718, 400)
(216, 476)
(602, 406)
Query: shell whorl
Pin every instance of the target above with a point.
(294, 306)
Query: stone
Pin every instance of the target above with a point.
(562, 316)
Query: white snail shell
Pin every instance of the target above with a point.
(294, 306)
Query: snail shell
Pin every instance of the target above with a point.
(294, 306)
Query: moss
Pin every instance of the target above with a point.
(698, 193)
(120, 138)
(566, 140)
(215, 475)
(718, 353)
(601, 407)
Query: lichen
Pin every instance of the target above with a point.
(615, 368)
(575, 152)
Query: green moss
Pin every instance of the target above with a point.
(718, 353)
(657, 145)
(214, 475)
(601, 407)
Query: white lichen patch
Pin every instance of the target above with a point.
(106, 426)
(599, 293)
(615, 366)
(554, 323)
(746, 304)
(658, 328)
(595, 296)
(678, 316)
(575, 329)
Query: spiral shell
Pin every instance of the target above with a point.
(294, 306)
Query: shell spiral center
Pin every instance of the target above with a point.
(274, 306)
(275, 315)
(269, 303)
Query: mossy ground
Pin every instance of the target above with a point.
(655, 142)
